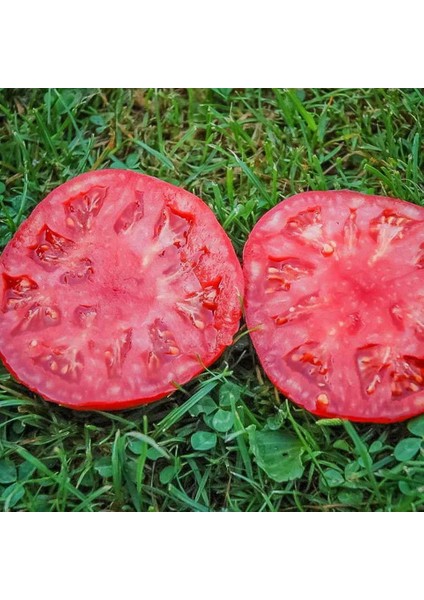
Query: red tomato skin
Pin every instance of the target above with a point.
(98, 404)
(295, 203)
(229, 328)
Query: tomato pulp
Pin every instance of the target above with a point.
(116, 289)
(335, 303)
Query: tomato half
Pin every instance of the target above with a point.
(335, 301)
(117, 288)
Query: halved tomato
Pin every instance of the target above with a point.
(116, 289)
(335, 301)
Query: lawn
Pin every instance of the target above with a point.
(228, 441)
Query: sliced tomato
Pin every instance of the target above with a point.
(118, 288)
(335, 303)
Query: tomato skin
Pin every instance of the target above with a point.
(117, 287)
(334, 287)
(93, 405)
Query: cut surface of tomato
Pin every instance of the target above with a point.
(118, 288)
(335, 303)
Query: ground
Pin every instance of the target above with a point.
(228, 441)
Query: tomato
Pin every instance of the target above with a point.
(118, 288)
(335, 303)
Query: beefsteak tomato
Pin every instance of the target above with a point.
(335, 303)
(118, 288)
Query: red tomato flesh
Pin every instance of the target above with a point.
(117, 288)
(335, 301)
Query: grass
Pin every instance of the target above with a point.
(217, 444)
